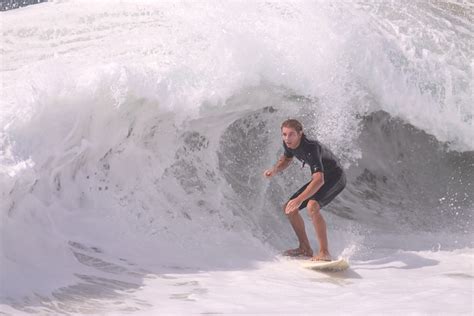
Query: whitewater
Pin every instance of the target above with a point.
(134, 136)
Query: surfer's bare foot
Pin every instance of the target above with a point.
(322, 256)
(299, 252)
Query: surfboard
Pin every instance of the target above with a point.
(335, 265)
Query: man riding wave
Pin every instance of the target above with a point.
(327, 181)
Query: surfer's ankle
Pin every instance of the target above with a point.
(324, 252)
(307, 251)
(323, 255)
(304, 247)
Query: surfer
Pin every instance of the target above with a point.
(327, 181)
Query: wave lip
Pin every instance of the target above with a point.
(387, 60)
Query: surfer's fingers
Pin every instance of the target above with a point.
(289, 208)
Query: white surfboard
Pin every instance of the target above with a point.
(335, 265)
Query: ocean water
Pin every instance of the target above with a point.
(134, 136)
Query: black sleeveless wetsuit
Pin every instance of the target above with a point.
(320, 159)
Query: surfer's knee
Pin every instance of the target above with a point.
(313, 208)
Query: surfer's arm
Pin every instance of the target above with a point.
(282, 164)
(316, 183)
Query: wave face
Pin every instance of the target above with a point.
(145, 128)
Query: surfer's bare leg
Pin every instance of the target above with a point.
(320, 227)
(297, 223)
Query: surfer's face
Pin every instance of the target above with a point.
(291, 137)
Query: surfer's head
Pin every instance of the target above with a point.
(291, 133)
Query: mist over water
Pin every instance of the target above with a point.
(140, 132)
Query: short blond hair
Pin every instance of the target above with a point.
(294, 124)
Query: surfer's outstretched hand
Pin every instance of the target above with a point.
(269, 173)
